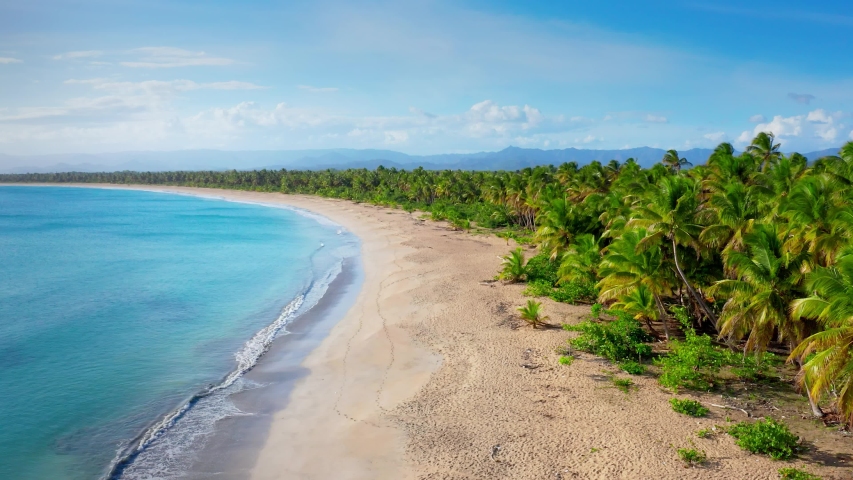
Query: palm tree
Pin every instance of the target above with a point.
(581, 260)
(673, 161)
(820, 218)
(670, 212)
(764, 150)
(830, 369)
(758, 297)
(532, 313)
(641, 304)
(558, 226)
(514, 266)
(625, 268)
(731, 213)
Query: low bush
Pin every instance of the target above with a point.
(691, 363)
(617, 340)
(541, 268)
(688, 407)
(632, 367)
(566, 360)
(538, 288)
(692, 457)
(790, 473)
(572, 292)
(575, 292)
(705, 433)
(767, 437)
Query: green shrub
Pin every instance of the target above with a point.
(751, 367)
(691, 456)
(623, 384)
(460, 223)
(538, 288)
(691, 363)
(617, 340)
(632, 367)
(767, 437)
(688, 407)
(574, 292)
(705, 433)
(595, 311)
(790, 473)
(566, 360)
(541, 268)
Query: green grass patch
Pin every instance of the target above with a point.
(566, 360)
(691, 456)
(623, 384)
(791, 473)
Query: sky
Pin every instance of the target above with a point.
(421, 77)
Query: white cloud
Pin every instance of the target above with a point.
(78, 55)
(756, 118)
(170, 57)
(715, 137)
(655, 119)
(5, 60)
(311, 89)
(816, 124)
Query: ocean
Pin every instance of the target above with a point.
(127, 319)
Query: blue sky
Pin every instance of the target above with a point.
(421, 77)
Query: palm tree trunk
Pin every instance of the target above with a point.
(663, 316)
(816, 411)
(695, 295)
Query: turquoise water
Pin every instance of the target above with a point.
(117, 307)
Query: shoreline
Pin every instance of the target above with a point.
(431, 375)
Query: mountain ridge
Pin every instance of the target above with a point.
(510, 158)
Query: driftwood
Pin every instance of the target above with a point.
(729, 407)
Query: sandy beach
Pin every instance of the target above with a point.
(431, 375)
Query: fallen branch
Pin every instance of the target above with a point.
(729, 407)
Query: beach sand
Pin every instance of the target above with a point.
(431, 375)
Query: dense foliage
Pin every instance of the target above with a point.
(757, 247)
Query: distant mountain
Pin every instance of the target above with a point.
(511, 158)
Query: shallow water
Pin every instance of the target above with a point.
(117, 307)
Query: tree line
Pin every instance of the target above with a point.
(756, 247)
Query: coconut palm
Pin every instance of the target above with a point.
(626, 268)
(764, 150)
(820, 218)
(830, 369)
(673, 161)
(532, 314)
(581, 260)
(514, 266)
(766, 276)
(730, 213)
(641, 304)
(670, 211)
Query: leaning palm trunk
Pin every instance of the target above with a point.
(663, 316)
(690, 290)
